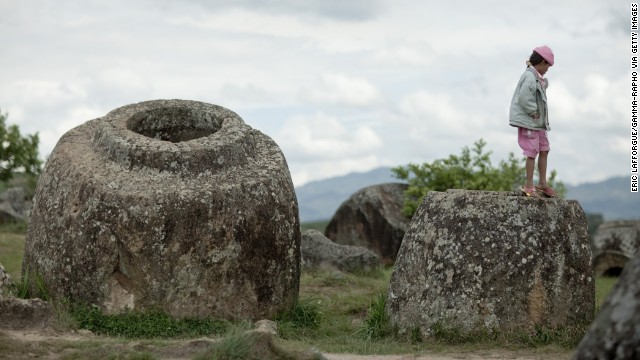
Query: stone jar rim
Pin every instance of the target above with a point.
(173, 135)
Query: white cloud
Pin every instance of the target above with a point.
(44, 92)
(407, 53)
(344, 90)
(123, 78)
(321, 146)
(353, 10)
(433, 114)
(596, 104)
(323, 137)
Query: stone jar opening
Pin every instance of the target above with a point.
(174, 124)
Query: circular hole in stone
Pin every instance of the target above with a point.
(174, 124)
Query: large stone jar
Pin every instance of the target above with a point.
(481, 261)
(168, 205)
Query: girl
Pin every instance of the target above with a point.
(529, 114)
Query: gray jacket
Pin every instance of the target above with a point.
(529, 98)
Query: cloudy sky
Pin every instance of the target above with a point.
(340, 85)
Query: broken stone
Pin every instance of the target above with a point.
(13, 206)
(319, 252)
(22, 314)
(372, 218)
(5, 282)
(615, 333)
(614, 243)
(266, 326)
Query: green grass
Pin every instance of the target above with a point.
(236, 345)
(604, 285)
(305, 316)
(376, 324)
(133, 324)
(354, 321)
(11, 251)
(336, 312)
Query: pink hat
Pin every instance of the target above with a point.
(545, 52)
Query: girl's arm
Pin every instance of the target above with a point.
(527, 96)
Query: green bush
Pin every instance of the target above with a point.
(19, 154)
(471, 170)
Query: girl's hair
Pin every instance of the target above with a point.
(535, 59)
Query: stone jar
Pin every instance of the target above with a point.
(168, 205)
(478, 261)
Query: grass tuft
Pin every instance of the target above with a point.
(376, 324)
(31, 281)
(236, 345)
(21, 289)
(304, 317)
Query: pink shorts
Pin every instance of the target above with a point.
(532, 141)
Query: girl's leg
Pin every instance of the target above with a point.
(542, 168)
(530, 165)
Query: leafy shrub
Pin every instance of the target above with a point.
(471, 170)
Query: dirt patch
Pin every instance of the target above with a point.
(485, 355)
(54, 344)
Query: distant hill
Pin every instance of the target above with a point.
(612, 198)
(319, 200)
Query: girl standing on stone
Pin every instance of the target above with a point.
(529, 114)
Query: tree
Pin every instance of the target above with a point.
(471, 170)
(18, 154)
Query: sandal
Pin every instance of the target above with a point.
(528, 192)
(547, 191)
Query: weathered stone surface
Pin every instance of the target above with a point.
(492, 260)
(268, 326)
(614, 243)
(317, 251)
(372, 218)
(5, 282)
(615, 333)
(21, 314)
(13, 206)
(169, 204)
